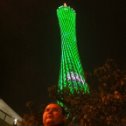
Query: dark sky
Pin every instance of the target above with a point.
(30, 44)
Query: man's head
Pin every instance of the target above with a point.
(53, 115)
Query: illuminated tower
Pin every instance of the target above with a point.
(71, 72)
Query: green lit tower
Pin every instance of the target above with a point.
(71, 71)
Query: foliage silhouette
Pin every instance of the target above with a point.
(105, 105)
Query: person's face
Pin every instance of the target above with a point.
(52, 115)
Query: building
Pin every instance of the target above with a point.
(7, 114)
(71, 71)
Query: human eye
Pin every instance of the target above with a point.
(46, 110)
(56, 110)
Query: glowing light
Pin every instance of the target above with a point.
(65, 5)
(71, 72)
(15, 121)
(75, 77)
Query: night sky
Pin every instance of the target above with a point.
(30, 44)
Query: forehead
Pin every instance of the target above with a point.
(53, 106)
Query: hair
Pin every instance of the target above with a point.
(63, 110)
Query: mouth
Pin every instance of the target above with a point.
(49, 116)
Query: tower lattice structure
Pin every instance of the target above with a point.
(71, 72)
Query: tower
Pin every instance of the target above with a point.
(71, 72)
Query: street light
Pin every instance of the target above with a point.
(15, 122)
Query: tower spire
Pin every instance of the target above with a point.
(65, 5)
